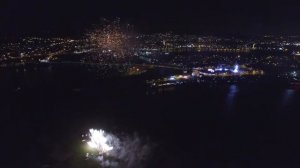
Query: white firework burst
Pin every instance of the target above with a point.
(100, 141)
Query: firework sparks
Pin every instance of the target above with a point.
(110, 39)
(127, 152)
(99, 141)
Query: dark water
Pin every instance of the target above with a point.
(46, 109)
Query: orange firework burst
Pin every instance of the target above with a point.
(109, 39)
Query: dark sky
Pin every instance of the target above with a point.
(199, 17)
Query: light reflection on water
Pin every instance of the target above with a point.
(231, 97)
(287, 97)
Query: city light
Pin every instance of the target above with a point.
(236, 69)
(172, 78)
(169, 84)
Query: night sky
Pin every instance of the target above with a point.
(228, 17)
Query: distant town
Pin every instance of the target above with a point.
(196, 56)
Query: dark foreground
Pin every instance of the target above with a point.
(45, 111)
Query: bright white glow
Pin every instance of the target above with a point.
(185, 77)
(210, 70)
(98, 140)
(294, 74)
(111, 152)
(172, 78)
(236, 69)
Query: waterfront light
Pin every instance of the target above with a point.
(236, 69)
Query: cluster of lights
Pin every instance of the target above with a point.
(236, 69)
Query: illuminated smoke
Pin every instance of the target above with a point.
(110, 151)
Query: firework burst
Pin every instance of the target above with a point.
(110, 151)
(110, 40)
(100, 141)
